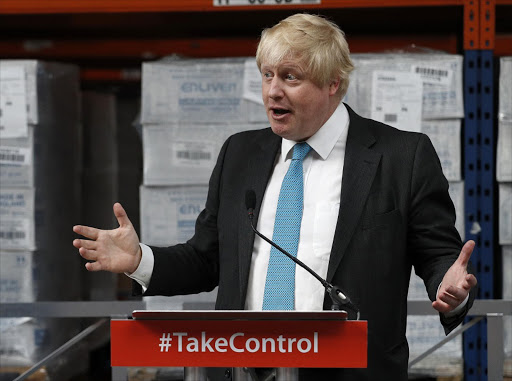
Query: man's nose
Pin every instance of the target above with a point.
(276, 89)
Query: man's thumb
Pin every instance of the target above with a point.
(122, 217)
(465, 253)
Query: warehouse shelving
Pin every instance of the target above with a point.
(63, 6)
(76, 31)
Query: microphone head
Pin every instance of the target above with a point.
(250, 199)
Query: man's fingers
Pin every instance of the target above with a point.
(441, 306)
(456, 292)
(446, 302)
(90, 255)
(88, 244)
(93, 266)
(452, 297)
(77, 243)
(471, 281)
(122, 217)
(465, 253)
(87, 231)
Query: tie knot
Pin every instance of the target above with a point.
(300, 150)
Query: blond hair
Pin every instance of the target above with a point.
(316, 42)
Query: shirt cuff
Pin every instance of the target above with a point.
(457, 309)
(142, 275)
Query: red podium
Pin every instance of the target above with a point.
(293, 339)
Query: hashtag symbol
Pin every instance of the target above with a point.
(165, 342)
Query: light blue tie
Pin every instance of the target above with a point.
(280, 282)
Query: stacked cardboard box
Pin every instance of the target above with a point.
(504, 178)
(420, 93)
(189, 108)
(40, 160)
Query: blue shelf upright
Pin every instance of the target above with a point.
(479, 195)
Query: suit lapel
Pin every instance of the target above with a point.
(259, 169)
(359, 170)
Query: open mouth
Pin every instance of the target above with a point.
(280, 111)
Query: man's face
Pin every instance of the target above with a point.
(296, 106)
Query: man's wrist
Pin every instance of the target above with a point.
(142, 274)
(138, 259)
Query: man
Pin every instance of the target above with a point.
(372, 203)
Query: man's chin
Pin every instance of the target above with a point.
(282, 131)
(287, 133)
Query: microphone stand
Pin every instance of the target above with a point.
(338, 298)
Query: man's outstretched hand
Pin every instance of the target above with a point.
(116, 250)
(456, 283)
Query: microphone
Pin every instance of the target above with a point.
(338, 297)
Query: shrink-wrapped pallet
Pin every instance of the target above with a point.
(197, 91)
(40, 168)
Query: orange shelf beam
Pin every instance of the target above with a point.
(142, 49)
(148, 49)
(110, 75)
(110, 6)
(503, 45)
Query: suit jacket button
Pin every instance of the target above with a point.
(227, 373)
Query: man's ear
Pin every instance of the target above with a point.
(333, 86)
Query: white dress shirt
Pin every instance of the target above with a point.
(323, 170)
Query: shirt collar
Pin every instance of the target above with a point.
(324, 140)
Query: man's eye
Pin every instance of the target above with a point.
(290, 77)
(267, 75)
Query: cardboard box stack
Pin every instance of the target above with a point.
(420, 93)
(189, 108)
(40, 161)
(504, 178)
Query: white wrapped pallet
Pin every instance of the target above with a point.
(17, 219)
(504, 176)
(26, 341)
(17, 282)
(504, 152)
(423, 332)
(456, 191)
(40, 160)
(40, 149)
(413, 92)
(20, 103)
(505, 89)
(439, 77)
(196, 91)
(184, 154)
(17, 161)
(22, 339)
(445, 136)
(505, 214)
(168, 214)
